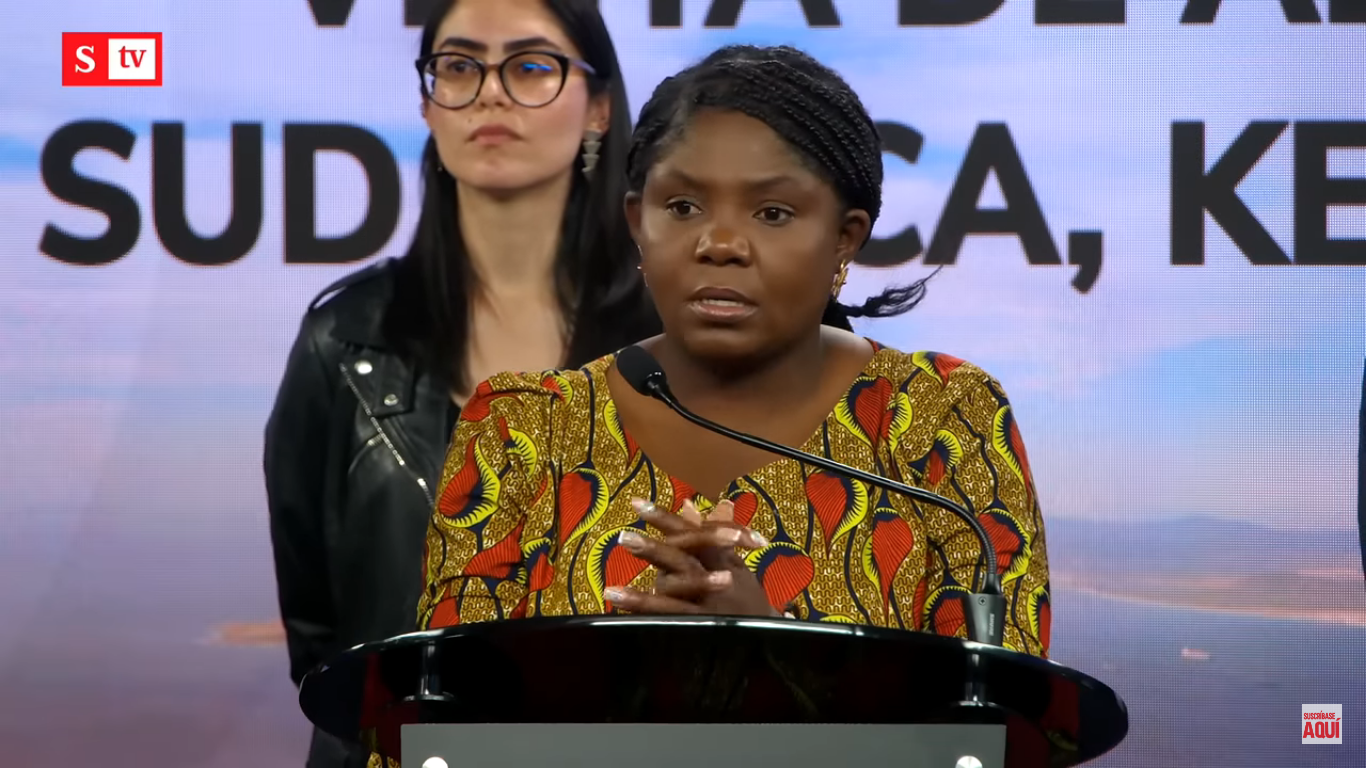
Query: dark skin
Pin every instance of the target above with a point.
(741, 243)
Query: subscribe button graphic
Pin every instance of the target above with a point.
(1322, 724)
(111, 59)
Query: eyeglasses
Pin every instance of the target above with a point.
(530, 78)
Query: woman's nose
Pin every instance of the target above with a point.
(721, 245)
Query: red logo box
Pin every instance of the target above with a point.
(111, 59)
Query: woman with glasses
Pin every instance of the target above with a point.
(522, 260)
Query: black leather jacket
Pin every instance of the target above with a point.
(353, 453)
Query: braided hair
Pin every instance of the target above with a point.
(807, 104)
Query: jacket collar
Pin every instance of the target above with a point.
(384, 381)
(359, 317)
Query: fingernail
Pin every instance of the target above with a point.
(719, 578)
(631, 540)
(729, 535)
(643, 508)
(756, 541)
(614, 594)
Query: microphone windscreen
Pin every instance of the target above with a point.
(639, 368)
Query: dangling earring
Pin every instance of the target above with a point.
(592, 142)
(840, 278)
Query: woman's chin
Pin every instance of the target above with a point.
(722, 347)
(502, 176)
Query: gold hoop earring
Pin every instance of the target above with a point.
(840, 278)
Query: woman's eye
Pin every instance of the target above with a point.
(681, 208)
(774, 215)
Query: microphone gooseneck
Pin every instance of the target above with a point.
(983, 610)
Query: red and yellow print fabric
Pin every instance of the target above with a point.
(540, 475)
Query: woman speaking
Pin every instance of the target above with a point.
(521, 260)
(755, 177)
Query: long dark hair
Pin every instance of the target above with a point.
(600, 289)
(808, 105)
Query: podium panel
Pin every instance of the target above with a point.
(513, 745)
(526, 689)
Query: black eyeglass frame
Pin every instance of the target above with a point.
(565, 62)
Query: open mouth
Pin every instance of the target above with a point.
(721, 305)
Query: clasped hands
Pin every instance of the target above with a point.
(697, 568)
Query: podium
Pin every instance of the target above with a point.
(719, 691)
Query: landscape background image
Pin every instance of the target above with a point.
(1192, 429)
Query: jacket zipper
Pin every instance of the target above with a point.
(382, 435)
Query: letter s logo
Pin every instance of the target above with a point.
(87, 63)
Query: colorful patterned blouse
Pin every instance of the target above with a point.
(538, 485)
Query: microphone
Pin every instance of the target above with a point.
(983, 610)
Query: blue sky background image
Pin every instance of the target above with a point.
(1163, 391)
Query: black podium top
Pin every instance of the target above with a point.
(631, 669)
